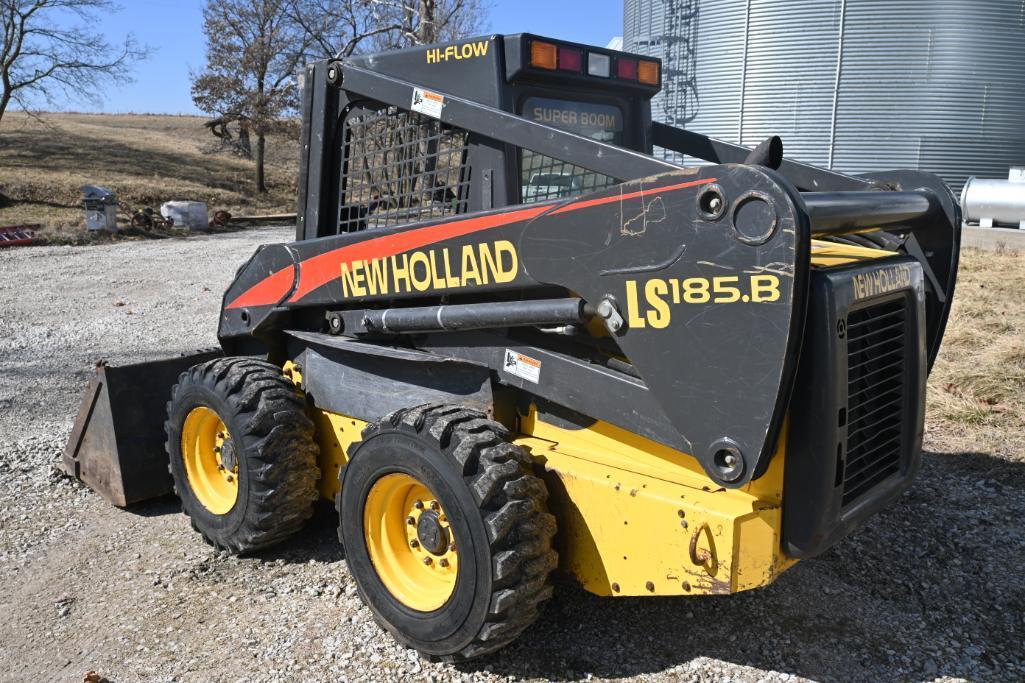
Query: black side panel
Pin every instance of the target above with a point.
(575, 383)
(858, 410)
(341, 378)
(708, 269)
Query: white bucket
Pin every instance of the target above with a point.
(190, 215)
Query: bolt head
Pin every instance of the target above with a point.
(730, 460)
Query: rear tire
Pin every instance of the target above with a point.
(494, 511)
(242, 453)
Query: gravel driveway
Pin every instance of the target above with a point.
(931, 589)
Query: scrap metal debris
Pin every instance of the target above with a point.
(17, 235)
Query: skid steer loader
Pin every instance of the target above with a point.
(515, 335)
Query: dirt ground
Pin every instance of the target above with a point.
(931, 589)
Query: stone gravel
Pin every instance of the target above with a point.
(931, 589)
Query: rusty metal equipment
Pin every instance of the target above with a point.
(17, 235)
(116, 446)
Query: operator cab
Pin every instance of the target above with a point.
(394, 167)
(594, 92)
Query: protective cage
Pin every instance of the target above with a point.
(400, 167)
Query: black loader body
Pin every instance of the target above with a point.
(731, 356)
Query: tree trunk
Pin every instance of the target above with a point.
(5, 99)
(427, 29)
(261, 144)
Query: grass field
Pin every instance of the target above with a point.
(145, 159)
(977, 387)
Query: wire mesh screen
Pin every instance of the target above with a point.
(542, 177)
(400, 167)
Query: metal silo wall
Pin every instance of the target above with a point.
(858, 85)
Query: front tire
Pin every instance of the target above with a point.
(446, 531)
(242, 453)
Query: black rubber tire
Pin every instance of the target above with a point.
(277, 460)
(497, 510)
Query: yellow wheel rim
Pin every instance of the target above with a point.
(211, 460)
(410, 542)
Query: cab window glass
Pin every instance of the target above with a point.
(542, 177)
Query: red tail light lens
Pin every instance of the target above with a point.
(571, 60)
(626, 69)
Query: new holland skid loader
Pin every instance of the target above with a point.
(516, 335)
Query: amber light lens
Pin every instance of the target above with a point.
(543, 55)
(647, 72)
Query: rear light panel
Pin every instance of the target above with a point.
(550, 56)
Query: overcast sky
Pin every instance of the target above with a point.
(173, 28)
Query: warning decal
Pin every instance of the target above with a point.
(522, 366)
(427, 103)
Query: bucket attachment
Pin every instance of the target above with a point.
(117, 444)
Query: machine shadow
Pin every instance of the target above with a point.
(156, 507)
(317, 542)
(898, 600)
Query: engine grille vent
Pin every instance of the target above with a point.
(876, 388)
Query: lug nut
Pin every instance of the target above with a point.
(220, 435)
(428, 561)
(414, 543)
(410, 521)
(419, 505)
(452, 547)
(434, 505)
(443, 562)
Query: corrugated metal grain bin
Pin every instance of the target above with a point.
(855, 85)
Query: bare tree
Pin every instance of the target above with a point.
(345, 27)
(51, 49)
(255, 49)
(431, 21)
